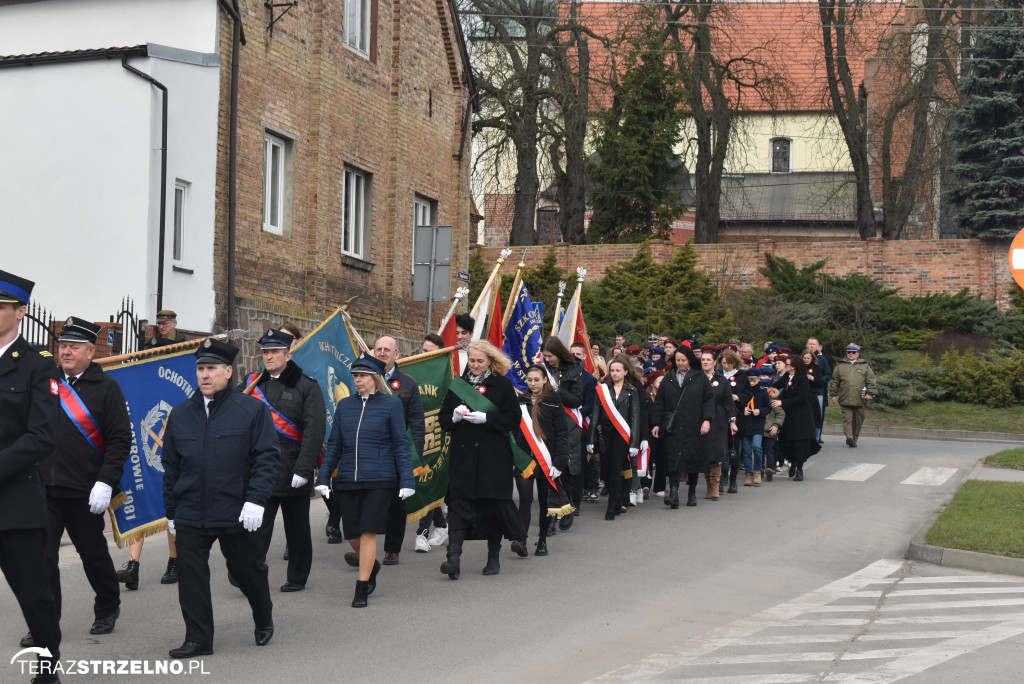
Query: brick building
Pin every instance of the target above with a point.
(352, 129)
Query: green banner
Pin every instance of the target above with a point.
(433, 372)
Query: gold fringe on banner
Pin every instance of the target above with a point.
(137, 534)
(418, 515)
(565, 510)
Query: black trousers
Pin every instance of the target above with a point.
(242, 550)
(395, 536)
(22, 554)
(525, 490)
(295, 511)
(436, 516)
(86, 532)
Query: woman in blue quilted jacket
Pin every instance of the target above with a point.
(370, 449)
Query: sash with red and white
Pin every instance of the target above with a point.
(574, 413)
(82, 419)
(643, 461)
(604, 393)
(537, 446)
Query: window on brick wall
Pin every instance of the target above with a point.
(357, 25)
(277, 183)
(549, 230)
(781, 155)
(424, 213)
(181, 198)
(355, 223)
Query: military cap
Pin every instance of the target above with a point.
(79, 330)
(367, 364)
(276, 339)
(215, 351)
(164, 315)
(14, 289)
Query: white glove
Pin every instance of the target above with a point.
(99, 498)
(641, 473)
(476, 417)
(251, 517)
(644, 445)
(460, 411)
(170, 528)
(298, 481)
(555, 472)
(590, 448)
(405, 493)
(633, 451)
(323, 490)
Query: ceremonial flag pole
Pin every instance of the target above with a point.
(555, 322)
(231, 335)
(512, 295)
(460, 292)
(490, 281)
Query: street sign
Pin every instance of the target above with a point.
(462, 275)
(1017, 258)
(432, 271)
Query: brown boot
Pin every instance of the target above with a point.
(713, 477)
(757, 477)
(748, 481)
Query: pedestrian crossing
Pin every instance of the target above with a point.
(876, 625)
(929, 476)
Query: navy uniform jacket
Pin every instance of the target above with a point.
(29, 416)
(213, 466)
(74, 466)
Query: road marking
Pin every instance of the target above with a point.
(856, 473)
(930, 476)
(961, 626)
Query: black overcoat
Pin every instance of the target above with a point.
(796, 396)
(480, 465)
(717, 440)
(684, 446)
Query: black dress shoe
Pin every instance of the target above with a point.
(27, 641)
(519, 548)
(333, 534)
(390, 559)
(292, 586)
(105, 625)
(190, 649)
(352, 558)
(799, 475)
(263, 635)
(542, 548)
(565, 522)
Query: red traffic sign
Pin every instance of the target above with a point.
(1017, 258)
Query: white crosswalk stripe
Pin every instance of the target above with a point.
(897, 635)
(857, 472)
(930, 476)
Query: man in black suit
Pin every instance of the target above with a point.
(28, 431)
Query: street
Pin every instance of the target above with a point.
(786, 582)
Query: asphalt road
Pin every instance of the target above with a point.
(721, 592)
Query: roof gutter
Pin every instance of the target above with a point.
(237, 40)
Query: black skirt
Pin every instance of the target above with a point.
(364, 510)
(483, 518)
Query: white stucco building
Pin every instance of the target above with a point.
(82, 176)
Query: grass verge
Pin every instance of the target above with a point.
(984, 517)
(1010, 458)
(942, 415)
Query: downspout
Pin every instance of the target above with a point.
(163, 180)
(237, 40)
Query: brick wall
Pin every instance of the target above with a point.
(917, 267)
(397, 117)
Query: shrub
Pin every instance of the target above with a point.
(906, 385)
(911, 339)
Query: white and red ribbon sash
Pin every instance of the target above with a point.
(604, 393)
(537, 446)
(643, 459)
(576, 415)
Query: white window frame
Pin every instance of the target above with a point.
(179, 231)
(355, 213)
(771, 155)
(357, 21)
(423, 208)
(273, 221)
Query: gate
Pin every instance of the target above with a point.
(130, 336)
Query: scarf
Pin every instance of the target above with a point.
(476, 380)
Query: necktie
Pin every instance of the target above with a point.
(71, 380)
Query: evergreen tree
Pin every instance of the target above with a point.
(636, 181)
(989, 130)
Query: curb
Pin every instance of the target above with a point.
(925, 433)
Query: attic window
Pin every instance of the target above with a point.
(781, 155)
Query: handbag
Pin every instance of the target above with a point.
(672, 416)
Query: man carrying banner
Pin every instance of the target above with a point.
(296, 405)
(93, 443)
(28, 432)
(220, 459)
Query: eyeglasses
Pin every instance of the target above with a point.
(853, 352)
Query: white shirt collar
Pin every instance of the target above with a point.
(3, 349)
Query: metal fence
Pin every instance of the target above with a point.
(37, 328)
(131, 334)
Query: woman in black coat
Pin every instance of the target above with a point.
(547, 416)
(480, 469)
(798, 432)
(565, 373)
(607, 440)
(682, 415)
(723, 426)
